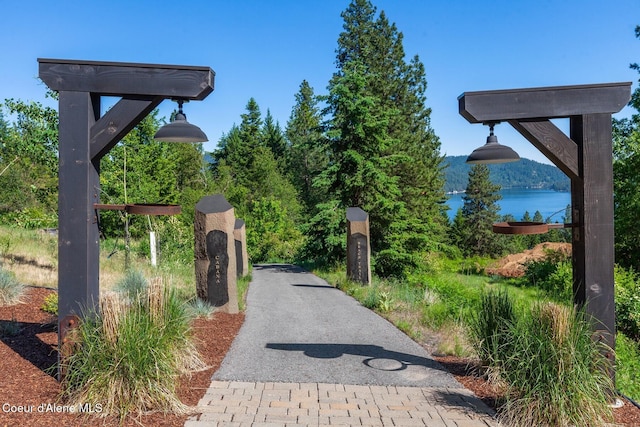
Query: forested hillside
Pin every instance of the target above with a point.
(523, 174)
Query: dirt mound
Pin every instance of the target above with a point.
(514, 265)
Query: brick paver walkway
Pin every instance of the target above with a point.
(269, 404)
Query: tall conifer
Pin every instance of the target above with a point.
(306, 154)
(395, 143)
(480, 211)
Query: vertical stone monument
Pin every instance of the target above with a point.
(242, 258)
(358, 246)
(215, 253)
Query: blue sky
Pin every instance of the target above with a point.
(264, 49)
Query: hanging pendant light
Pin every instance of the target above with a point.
(180, 130)
(492, 151)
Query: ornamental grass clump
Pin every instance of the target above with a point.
(11, 291)
(128, 357)
(490, 326)
(556, 375)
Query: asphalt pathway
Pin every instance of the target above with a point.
(298, 329)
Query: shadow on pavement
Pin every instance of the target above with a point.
(307, 285)
(280, 268)
(375, 357)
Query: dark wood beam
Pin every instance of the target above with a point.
(593, 202)
(553, 143)
(547, 102)
(122, 78)
(84, 138)
(78, 191)
(118, 121)
(586, 156)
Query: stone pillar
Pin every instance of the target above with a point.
(215, 253)
(242, 258)
(358, 246)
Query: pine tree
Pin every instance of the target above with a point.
(306, 151)
(480, 211)
(408, 216)
(273, 138)
(249, 176)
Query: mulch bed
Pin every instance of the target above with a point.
(28, 379)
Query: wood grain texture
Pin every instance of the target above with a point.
(118, 121)
(545, 102)
(121, 79)
(552, 142)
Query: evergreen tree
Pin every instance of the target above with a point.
(396, 146)
(626, 182)
(249, 176)
(400, 86)
(307, 150)
(273, 138)
(480, 211)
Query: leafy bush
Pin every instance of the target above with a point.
(30, 218)
(489, 326)
(130, 354)
(628, 366)
(50, 304)
(627, 297)
(555, 374)
(553, 274)
(11, 290)
(271, 232)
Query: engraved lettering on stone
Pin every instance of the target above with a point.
(359, 269)
(219, 263)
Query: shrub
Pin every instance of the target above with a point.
(11, 291)
(132, 284)
(628, 366)
(50, 304)
(553, 275)
(198, 307)
(555, 374)
(489, 326)
(130, 354)
(372, 298)
(627, 297)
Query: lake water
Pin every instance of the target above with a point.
(518, 201)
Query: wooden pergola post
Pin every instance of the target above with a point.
(586, 157)
(84, 138)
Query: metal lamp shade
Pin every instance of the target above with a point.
(492, 152)
(180, 130)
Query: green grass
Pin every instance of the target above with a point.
(129, 355)
(490, 324)
(554, 373)
(628, 366)
(242, 286)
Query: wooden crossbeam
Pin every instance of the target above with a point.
(546, 102)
